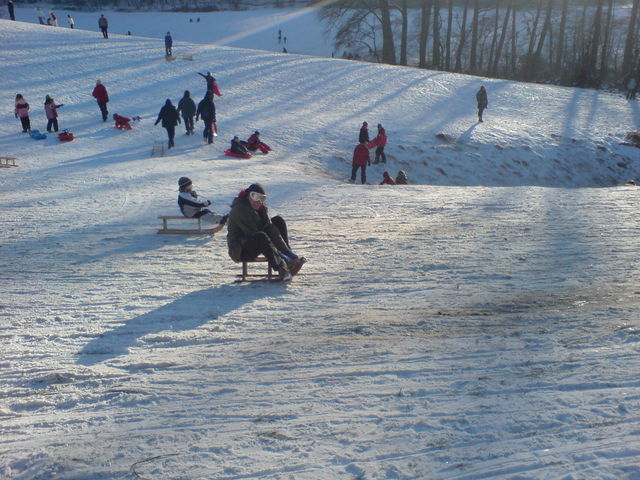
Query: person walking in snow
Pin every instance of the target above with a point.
(102, 97)
(207, 111)
(70, 21)
(54, 18)
(168, 43)
(364, 133)
(103, 24)
(51, 112)
(22, 112)
(401, 178)
(187, 107)
(212, 85)
(170, 118)
(483, 101)
(386, 179)
(632, 87)
(254, 143)
(250, 232)
(41, 18)
(361, 160)
(10, 6)
(193, 206)
(379, 142)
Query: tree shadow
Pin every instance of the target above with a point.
(186, 313)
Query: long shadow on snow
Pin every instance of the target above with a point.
(177, 316)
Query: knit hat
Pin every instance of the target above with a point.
(184, 182)
(255, 187)
(365, 124)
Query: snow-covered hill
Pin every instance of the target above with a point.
(477, 325)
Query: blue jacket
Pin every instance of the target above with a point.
(168, 41)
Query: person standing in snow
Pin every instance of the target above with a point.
(10, 6)
(251, 232)
(483, 101)
(386, 179)
(54, 18)
(168, 43)
(401, 178)
(41, 17)
(193, 206)
(632, 87)
(170, 118)
(103, 24)
(364, 133)
(207, 110)
(187, 106)
(379, 142)
(70, 21)
(51, 111)
(212, 85)
(102, 97)
(360, 160)
(22, 112)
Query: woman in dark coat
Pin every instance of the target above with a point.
(170, 118)
(187, 106)
(207, 110)
(483, 101)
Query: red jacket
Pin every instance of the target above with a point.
(361, 155)
(387, 180)
(380, 140)
(100, 92)
(122, 121)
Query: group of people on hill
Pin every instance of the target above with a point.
(361, 158)
(52, 19)
(22, 109)
(250, 230)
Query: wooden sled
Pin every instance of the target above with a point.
(6, 162)
(245, 277)
(186, 231)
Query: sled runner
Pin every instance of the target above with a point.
(245, 277)
(7, 162)
(36, 135)
(186, 231)
(229, 153)
(65, 136)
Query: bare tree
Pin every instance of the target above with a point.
(474, 37)
(435, 59)
(424, 32)
(447, 61)
(463, 36)
(631, 42)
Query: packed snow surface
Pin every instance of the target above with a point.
(479, 323)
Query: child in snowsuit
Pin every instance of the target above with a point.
(401, 178)
(122, 122)
(187, 106)
(22, 112)
(379, 142)
(207, 110)
(251, 232)
(386, 179)
(360, 160)
(483, 101)
(51, 111)
(193, 206)
(254, 143)
(170, 118)
(238, 147)
(212, 85)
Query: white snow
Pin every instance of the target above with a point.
(480, 323)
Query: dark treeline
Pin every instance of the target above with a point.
(570, 42)
(173, 5)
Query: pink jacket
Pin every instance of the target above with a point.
(50, 110)
(22, 109)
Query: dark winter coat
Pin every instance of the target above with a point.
(103, 22)
(206, 109)
(244, 222)
(364, 135)
(187, 106)
(401, 178)
(481, 97)
(361, 155)
(237, 147)
(169, 115)
(100, 93)
(168, 41)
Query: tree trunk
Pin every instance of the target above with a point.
(514, 42)
(425, 22)
(630, 43)
(436, 35)
(463, 37)
(474, 37)
(503, 34)
(560, 47)
(494, 40)
(388, 46)
(595, 45)
(403, 38)
(447, 61)
(543, 34)
(605, 47)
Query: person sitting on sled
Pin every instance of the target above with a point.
(193, 206)
(122, 122)
(401, 178)
(237, 147)
(386, 179)
(251, 232)
(254, 143)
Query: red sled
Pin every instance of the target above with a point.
(124, 126)
(229, 153)
(65, 136)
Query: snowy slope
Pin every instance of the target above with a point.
(438, 330)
